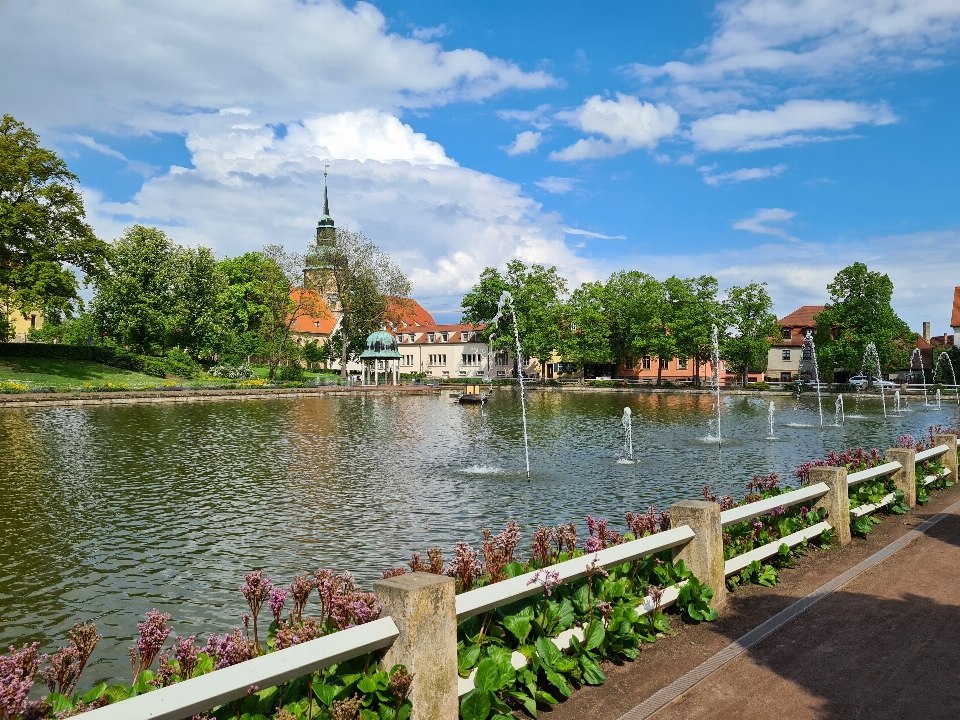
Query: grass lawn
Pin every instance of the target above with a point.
(61, 375)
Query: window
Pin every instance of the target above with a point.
(470, 359)
(785, 355)
(501, 373)
(787, 333)
(443, 337)
(664, 363)
(408, 360)
(502, 359)
(785, 377)
(806, 354)
(437, 359)
(431, 337)
(332, 299)
(466, 336)
(463, 373)
(645, 364)
(682, 364)
(446, 372)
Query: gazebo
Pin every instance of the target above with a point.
(381, 346)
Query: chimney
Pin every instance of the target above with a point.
(926, 331)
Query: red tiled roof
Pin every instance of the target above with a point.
(955, 316)
(803, 316)
(320, 323)
(406, 312)
(422, 332)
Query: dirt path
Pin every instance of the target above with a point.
(887, 645)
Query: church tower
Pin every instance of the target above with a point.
(319, 273)
(326, 230)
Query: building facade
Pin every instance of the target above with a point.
(785, 357)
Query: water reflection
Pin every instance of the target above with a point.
(107, 512)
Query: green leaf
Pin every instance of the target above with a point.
(488, 676)
(475, 705)
(556, 679)
(594, 635)
(547, 651)
(513, 569)
(498, 654)
(518, 626)
(94, 693)
(367, 684)
(326, 694)
(116, 693)
(567, 615)
(529, 704)
(546, 698)
(59, 702)
(467, 658)
(592, 675)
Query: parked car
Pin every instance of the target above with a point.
(861, 381)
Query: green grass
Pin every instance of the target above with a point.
(63, 375)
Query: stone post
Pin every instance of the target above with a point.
(703, 555)
(905, 479)
(836, 501)
(424, 608)
(950, 456)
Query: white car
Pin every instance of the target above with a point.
(861, 382)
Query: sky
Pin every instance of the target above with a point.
(772, 141)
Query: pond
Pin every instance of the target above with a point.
(107, 512)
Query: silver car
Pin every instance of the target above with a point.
(861, 382)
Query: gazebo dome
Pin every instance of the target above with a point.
(381, 345)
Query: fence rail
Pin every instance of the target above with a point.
(931, 453)
(493, 596)
(762, 507)
(187, 698)
(872, 473)
(738, 563)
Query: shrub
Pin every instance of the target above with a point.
(180, 364)
(155, 367)
(232, 372)
(290, 373)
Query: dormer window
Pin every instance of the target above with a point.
(443, 337)
(787, 333)
(431, 337)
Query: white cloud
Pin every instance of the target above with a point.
(816, 38)
(443, 223)
(686, 160)
(538, 117)
(628, 123)
(430, 33)
(526, 142)
(740, 175)
(587, 233)
(172, 66)
(89, 142)
(759, 223)
(787, 124)
(556, 185)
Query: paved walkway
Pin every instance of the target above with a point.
(885, 645)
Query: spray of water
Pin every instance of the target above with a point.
(810, 346)
(838, 417)
(627, 423)
(896, 403)
(715, 361)
(938, 398)
(770, 411)
(923, 375)
(507, 298)
(871, 360)
(944, 357)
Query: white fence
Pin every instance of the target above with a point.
(699, 539)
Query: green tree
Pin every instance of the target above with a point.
(358, 280)
(81, 329)
(245, 306)
(695, 310)
(635, 302)
(134, 300)
(537, 297)
(201, 321)
(42, 229)
(585, 330)
(860, 313)
(750, 325)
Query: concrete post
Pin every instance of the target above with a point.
(905, 479)
(950, 456)
(424, 608)
(703, 555)
(836, 501)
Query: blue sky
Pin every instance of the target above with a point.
(766, 140)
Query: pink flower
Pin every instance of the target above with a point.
(17, 671)
(549, 579)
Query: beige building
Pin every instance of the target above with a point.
(783, 360)
(21, 325)
(450, 351)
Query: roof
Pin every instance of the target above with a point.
(380, 345)
(407, 311)
(422, 333)
(804, 316)
(955, 316)
(321, 322)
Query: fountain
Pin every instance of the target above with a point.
(923, 375)
(810, 347)
(870, 353)
(896, 403)
(505, 298)
(838, 411)
(945, 356)
(627, 423)
(715, 361)
(938, 398)
(770, 411)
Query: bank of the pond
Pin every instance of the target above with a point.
(68, 399)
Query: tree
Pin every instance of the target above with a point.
(42, 229)
(245, 306)
(537, 298)
(359, 280)
(695, 310)
(201, 323)
(751, 325)
(860, 313)
(134, 300)
(277, 281)
(585, 330)
(634, 301)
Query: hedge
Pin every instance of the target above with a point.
(114, 357)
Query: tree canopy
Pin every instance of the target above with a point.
(42, 229)
(860, 313)
(750, 325)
